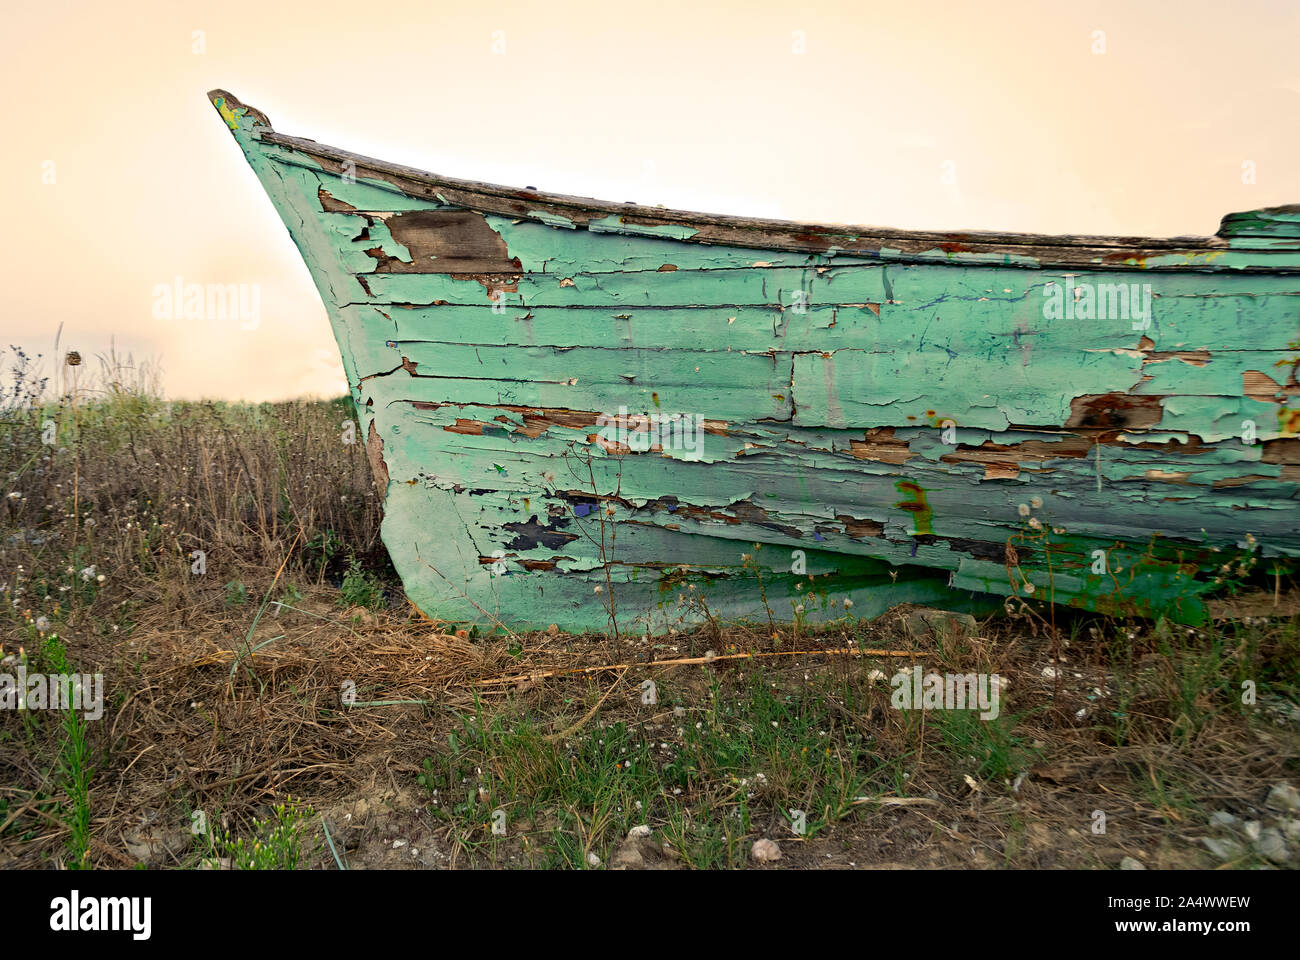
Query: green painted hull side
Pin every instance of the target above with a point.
(928, 429)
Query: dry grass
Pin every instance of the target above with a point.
(222, 701)
(109, 476)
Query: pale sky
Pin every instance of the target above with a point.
(690, 104)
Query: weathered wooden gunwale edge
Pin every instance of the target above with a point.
(1035, 251)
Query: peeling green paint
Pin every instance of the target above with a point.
(913, 421)
(552, 219)
(615, 224)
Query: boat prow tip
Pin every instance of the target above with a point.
(236, 113)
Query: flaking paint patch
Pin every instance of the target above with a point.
(552, 219)
(617, 224)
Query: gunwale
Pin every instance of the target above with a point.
(964, 247)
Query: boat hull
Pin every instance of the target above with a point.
(598, 419)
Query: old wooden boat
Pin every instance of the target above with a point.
(584, 413)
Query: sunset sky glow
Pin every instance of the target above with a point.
(126, 179)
